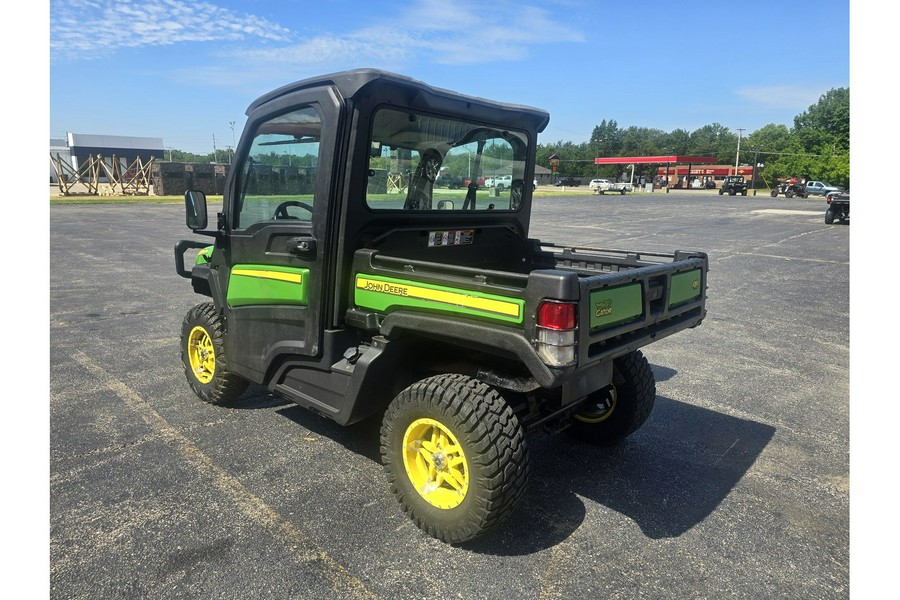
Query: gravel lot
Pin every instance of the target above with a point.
(737, 486)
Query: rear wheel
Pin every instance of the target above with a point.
(203, 356)
(789, 194)
(829, 217)
(455, 456)
(618, 410)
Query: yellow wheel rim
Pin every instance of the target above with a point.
(201, 355)
(596, 412)
(435, 463)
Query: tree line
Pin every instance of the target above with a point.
(816, 147)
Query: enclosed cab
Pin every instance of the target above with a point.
(343, 276)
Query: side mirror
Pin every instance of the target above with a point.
(195, 210)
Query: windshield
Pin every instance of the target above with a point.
(421, 162)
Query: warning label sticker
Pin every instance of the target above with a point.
(459, 237)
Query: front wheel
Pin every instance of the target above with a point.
(721, 191)
(789, 194)
(613, 413)
(455, 456)
(829, 217)
(774, 193)
(203, 356)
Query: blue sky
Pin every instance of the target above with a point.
(182, 70)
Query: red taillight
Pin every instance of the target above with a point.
(556, 315)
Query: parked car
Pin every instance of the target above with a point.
(534, 185)
(479, 182)
(571, 181)
(820, 188)
(600, 184)
(449, 181)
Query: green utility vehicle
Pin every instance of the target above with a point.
(341, 278)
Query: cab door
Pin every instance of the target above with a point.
(277, 247)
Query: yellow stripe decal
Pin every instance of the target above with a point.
(454, 298)
(277, 275)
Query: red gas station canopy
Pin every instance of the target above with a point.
(627, 160)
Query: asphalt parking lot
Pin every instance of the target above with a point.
(737, 486)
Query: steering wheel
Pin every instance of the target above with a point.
(516, 192)
(420, 189)
(282, 213)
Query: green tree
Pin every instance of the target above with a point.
(678, 141)
(713, 140)
(826, 123)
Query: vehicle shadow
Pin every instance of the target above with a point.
(667, 477)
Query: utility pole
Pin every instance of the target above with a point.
(737, 158)
(216, 154)
(233, 143)
(755, 167)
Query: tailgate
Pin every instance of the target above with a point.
(628, 300)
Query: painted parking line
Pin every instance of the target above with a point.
(786, 211)
(303, 549)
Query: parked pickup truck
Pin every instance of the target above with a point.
(503, 182)
(820, 188)
(437, 314)
(606, 185)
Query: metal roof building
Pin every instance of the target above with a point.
(77, 149)
(126, 148)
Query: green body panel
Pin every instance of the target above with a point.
(685, 287)
(616, 305)
(383, 294)
(267, 284)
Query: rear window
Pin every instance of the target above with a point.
(419, 162)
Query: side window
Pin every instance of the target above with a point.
(277, 179)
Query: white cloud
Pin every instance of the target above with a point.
(451, 32)
(93, 28)
(794, 96)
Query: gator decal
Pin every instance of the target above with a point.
(204, 256)
(616, 305)
(384, 295)
(685, 287)
(267, 284)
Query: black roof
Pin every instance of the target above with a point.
(350, 83)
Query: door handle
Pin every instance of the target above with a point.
(302, 246)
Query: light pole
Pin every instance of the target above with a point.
(737, 158)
